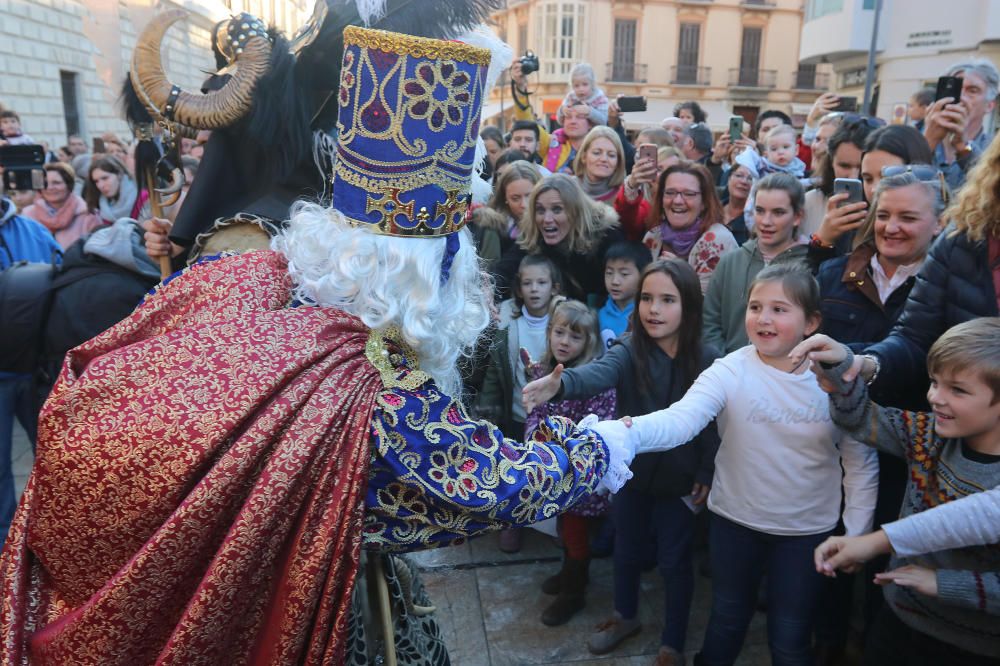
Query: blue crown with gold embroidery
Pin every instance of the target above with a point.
(409, 118)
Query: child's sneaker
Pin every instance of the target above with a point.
(611, 633)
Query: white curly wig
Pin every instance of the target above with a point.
(388, 281)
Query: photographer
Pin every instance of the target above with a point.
(955, 129)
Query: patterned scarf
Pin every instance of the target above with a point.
(681, 240)
(58, 219)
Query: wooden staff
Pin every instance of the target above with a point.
(154, 204)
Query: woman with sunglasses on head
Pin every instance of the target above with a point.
(863, 293)
(893, 145)
(959, 281)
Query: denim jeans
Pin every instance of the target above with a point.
(16, 400)
(740, 558)
(637, 516)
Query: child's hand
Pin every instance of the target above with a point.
(532, 369)
(541, 390)
(819, 348)
(921, 579)
(849, 553)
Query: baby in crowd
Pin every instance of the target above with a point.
(583, 89)
(623, 264)
(779, 157)
(942, 606)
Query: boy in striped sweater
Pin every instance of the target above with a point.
(942, 607)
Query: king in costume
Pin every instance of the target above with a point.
(210, 469)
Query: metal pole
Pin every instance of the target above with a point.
(870, 73)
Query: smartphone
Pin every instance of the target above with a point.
(735, 128)
(632, 103)
(847, 104)
(851, 186)
(99, 146)
(949, 86)
(649, 150)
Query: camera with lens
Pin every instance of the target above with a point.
(22, 167)
(529, 62)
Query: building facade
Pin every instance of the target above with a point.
(917, 42)
(62, 62)
(731, 56)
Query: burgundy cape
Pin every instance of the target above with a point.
(198, 492)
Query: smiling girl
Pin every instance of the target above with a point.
(573, 341)
(777, 487)
(778, 212)
(650, 369)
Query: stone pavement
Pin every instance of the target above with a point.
(489, 604)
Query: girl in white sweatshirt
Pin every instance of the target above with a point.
(776, 493)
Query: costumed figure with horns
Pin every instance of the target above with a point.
(271, 108)
(210, 470)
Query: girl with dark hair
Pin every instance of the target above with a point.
(686, 220)
(111, 190)
(824, 217)
(690, 112)
(780, 471)
(893, 145)
(650, 369)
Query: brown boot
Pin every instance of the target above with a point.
(572, 593)
(551, 584)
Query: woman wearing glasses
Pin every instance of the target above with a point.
(686, 220)
(863, 294)
(62, 212)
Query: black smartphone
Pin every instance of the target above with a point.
(847, 104)
(850, 186)
(949, 86)
(735, 128)
(99, 147)
(631, 103)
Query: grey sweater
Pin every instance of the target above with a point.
(940, 470)
(728, 290)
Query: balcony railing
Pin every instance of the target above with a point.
(808, 79)
(758, 4)
(625, 72)
(740, 77)
(690, 75)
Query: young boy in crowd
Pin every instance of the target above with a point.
(942, 607)
(623, 264)
(10, 130)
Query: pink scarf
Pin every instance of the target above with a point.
(56, 219)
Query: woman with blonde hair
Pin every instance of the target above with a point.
(570, 228)
(959, 281)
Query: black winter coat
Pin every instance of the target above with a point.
(854, 314)
(954, 286)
